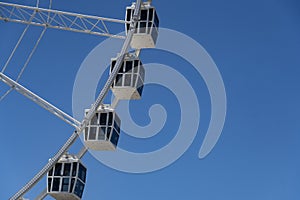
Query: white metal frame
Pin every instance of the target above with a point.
(58, 19)
(38, 100)
(45, 104)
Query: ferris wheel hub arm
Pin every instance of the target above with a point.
(49, 18)
(38, 100)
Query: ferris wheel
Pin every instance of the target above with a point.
(66, 174)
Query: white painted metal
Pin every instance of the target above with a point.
(114, 103)
(38, 100)
(146, 32)
(58, 20)
(103, 131)
(130, 80)
(43, 194)
(91, 112)
(31, 53)
(69, 168)
(18, 43)
(24, 66)
(82, 152)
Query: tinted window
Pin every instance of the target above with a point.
(116, 126)
(144, 14)
(65, 185)
(86, 131)
(110, 118)
(136, 26)
(150, 14)
(136, 64)
(142, 72)
(117, 119)
(140, 90)
(127, 27)
(114, 137)
(74, 170)
(82, 172)
(67, 169)
(108, 133)
(113, 63)
(103, 118)
(128, 17)
(49, 184)
(127, 80)
(135, 78)
(50, 172)
(143, 27)
(149, 27)
(55, 186)
(122, 68)
(79, 188)
(156, 20)
(140, 82)
(72, 185)
(57, 171)
(94, 120)
(93, 132)
(128, 66)
(154, 34)
(102, 133)
(119, 80)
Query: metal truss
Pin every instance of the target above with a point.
(58, 19)
(89, 115)
(38, 100)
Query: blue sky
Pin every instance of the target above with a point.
(255, 45)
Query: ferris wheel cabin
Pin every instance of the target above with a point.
(66, 180)
(129, 82)
(102, 132)
(146, 32)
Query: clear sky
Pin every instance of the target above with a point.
(255, 45)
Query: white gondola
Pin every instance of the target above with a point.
(129, 82)
(102, 132)
(66, 180)
(146, 32)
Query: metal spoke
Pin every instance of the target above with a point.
(58, 19)
(38, 100)
(17, 45)
(91, 112)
